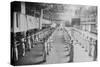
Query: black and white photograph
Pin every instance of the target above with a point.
(53, 33)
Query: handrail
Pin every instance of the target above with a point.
(87, 34)
(91, 35)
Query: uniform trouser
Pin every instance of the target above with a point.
(71, 54)
(90, 50)
(23, 46)
(87, 46)
(16, 53)
(44, 54)
(95, 53)
(47, 48)
(29, 43)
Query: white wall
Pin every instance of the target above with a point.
(23, 23)
(32, 22)
(27, 22)
(44, 21)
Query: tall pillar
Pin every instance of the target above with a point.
(41, 17)
(23, 11)
(23, 7)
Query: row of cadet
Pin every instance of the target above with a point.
(25, 41)
(86, 41)
(69, 45)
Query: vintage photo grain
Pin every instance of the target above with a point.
(52, 33)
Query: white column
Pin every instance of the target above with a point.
(23, 11)
(23, 7)
(41, 17)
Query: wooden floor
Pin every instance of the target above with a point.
(34, 56)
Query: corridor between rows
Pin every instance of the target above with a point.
(58, 48)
